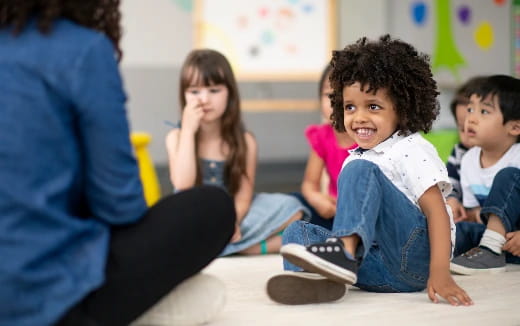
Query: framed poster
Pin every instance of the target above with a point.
(266, 39)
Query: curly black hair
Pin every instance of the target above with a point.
(101, 15)
(392, 65)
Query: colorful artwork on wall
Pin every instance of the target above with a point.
(285, 39)
(464, 38)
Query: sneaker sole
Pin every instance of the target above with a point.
(299, 256)
(461, 270)
(303, 288)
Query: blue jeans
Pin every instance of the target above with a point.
(394, 250)
(503, 201)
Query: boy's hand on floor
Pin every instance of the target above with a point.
(512, 243)
(442, 283)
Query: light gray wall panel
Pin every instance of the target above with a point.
(153, 99)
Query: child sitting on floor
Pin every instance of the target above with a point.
(490, 179)
(391, 232)
(458, 108)
(329, 148)
(212, 147)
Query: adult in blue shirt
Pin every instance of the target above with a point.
(77, 242)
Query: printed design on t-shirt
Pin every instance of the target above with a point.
(481, 193)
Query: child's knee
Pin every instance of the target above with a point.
(293, 233)
(360, 165)
(508, 174)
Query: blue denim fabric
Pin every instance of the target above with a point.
(503, 201)
(395, 249)
(67, 169)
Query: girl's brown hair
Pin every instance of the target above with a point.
(205, 67)
(101, 15)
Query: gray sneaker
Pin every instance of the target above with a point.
(478, 260)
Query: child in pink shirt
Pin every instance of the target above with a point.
(329, 148)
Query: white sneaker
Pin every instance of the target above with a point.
(195, 301)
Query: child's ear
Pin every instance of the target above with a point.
(514, 127)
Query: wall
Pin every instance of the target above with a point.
(151, 66)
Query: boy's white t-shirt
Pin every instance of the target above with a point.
(476, 181)
(413, 165)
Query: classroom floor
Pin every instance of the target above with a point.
(496, 297)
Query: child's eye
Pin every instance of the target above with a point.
(374, 107)
(470, 109)
(214, 90)
(349, 107)
(193, 91)
(484, 111)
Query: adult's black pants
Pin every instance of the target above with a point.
(176, 238)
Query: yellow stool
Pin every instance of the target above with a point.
(151, 188)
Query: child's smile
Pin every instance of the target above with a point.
(369, 118)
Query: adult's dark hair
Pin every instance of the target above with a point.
(507, 91)
(392, 65)
(463, 93)
(101, 15)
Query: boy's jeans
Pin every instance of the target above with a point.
(394, 250)
(503, 201)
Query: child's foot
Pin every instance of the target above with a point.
(478, 260)
(303, 288)
(328, 259)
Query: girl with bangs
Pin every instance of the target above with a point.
(212, 147)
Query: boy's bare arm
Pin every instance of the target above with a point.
(440, 281)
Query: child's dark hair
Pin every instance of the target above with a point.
(391, 64)
(463, 93)
(324, 76)
(101, 15)
(206, 67)
(507, 91)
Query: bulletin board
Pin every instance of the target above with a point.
(463, 38)
(263, 39)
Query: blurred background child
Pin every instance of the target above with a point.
(212, 147)
(459, 109)
(490, 179)
(329, 148)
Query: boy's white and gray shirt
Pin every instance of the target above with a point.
(476, 181)
(412, 164)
